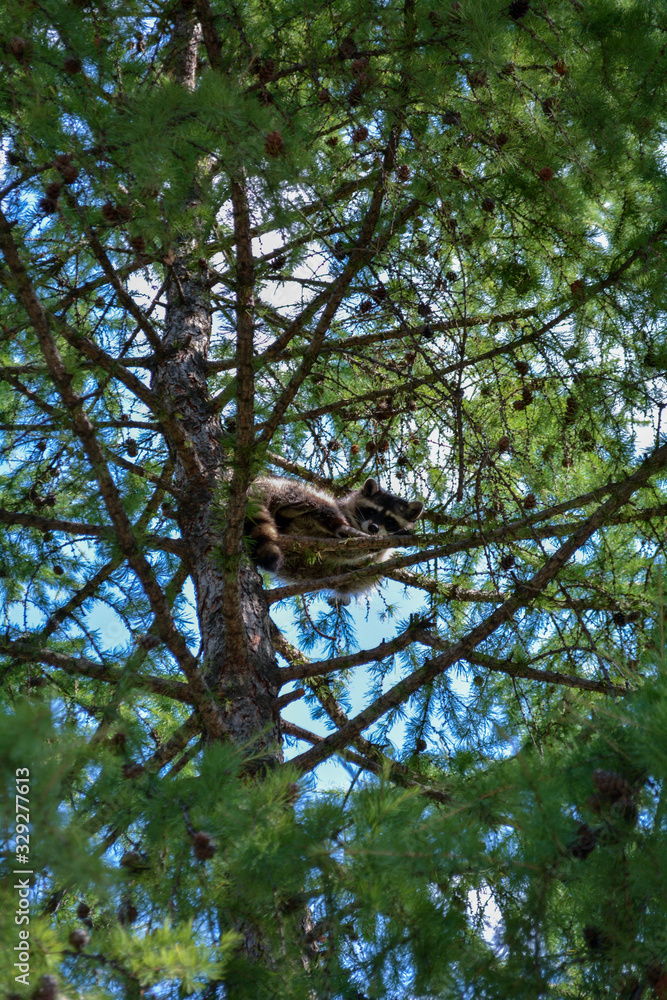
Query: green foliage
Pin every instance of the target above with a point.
(491, 889)
(495, 346)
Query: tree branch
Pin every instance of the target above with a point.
(107, 487)
(461, 649)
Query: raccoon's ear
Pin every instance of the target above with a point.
(370, 487)
(415, 510)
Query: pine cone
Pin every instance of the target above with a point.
(625, 809)
(477, 78)
(360, 134)
(379, 294)
(83, 911)
(68, 172)
(507, 562)
(571, 407)
(584, 843)
(611, 784)
(110, 212)
(133, 860)
(203, 846)
(403, 172)
(503, 444)
(595, 938)
(488, 205)
(79, 938)
(72, 65)
(340, 250)
(47, 989)
(530, 501)
(358, 66)
(132, 770)
(264, 69)
(546, 174)
(518, 9)
(48, 206)
(274, 144)
(654, 972)
(127, 913)
(521, 367)
(451, 118)
(19, 48)
(660, 988)
(347, 48)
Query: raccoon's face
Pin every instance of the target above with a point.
(379, 513)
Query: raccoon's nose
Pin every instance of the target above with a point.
(373, 528)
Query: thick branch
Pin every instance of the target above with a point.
(461, 649)
(81, 665)
(300, 668)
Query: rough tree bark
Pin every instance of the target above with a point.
(237, 655)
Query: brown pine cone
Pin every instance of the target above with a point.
(595, 938)
(625, 809)
(584, 843)
(47, 989)
(612, 785)
(79, 938)
(127, 913)
(203, 845)
(273, 145)
(654, 972)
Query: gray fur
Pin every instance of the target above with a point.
(280, 506)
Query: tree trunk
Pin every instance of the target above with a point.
(237, 657)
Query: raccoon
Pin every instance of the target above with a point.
(288, 507)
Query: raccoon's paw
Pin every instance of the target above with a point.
(269, 557)
(348, 531)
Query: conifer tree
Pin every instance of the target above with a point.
(333, 242)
